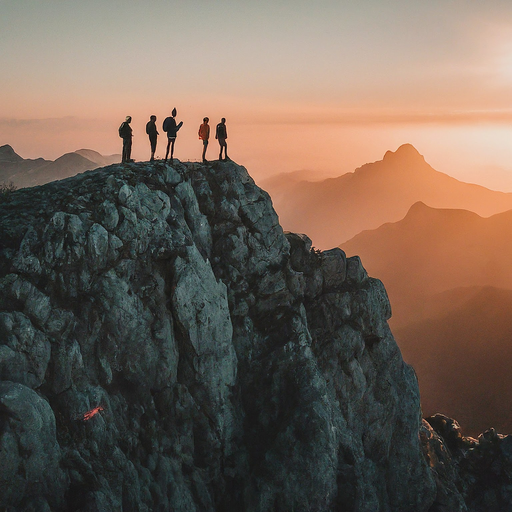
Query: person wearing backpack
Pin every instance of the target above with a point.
(221, 134)
(170, 126)
(126, 133)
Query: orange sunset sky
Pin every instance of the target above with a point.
(323, 86)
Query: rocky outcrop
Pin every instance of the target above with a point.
(472, 475)
(165, 346)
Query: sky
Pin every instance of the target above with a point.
(324, 86)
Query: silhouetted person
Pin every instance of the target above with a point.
(171, 128)
(125, 132)
(204, 135)
(221, 134)
(153, 134)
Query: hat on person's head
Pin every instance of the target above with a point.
(174, 111)
(128, 118)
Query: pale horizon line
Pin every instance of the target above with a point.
(318, 117)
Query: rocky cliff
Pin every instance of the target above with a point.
(165, 346)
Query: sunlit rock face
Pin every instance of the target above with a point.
(165, 346)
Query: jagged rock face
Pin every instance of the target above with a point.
(472, 475)
(231, 366)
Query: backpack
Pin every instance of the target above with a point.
(122, 130)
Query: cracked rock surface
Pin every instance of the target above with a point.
(230, 366)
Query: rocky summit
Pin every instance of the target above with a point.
(164, 346)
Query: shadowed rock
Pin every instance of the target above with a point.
(172, 349)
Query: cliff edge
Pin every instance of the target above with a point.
(165, 346)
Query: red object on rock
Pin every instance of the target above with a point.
(89, 414)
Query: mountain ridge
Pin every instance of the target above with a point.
(405, 152)
(335, 210)
(7, 154)
(31, 172)
(439, 236)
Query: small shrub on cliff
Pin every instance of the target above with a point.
(316, 256)
(6, 189)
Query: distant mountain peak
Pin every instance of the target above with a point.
(406, 153)
(98, 158)
(87, 153)
(419, 206)
(7, 154)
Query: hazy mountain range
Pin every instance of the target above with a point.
(30, 172)
(443, 249)
(334, 210)
(449, 279)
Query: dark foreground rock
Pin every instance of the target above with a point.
(471, 474)
(165, 346)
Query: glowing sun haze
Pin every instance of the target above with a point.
(324, 86)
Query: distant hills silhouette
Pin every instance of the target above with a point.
(448, 274)
(334, 210)
(30, 172)
(462, 355)
(434, 250)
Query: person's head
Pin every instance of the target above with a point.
(174, 112)
(153, 118)
(128, 119)
(223, 120)
(205, 120)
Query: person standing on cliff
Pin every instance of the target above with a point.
(126, 133)
(221, 134)
(153, 134)
(171, 128)
(204, 135)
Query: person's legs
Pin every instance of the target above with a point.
(172, 148)
(128, 149)
(126, 152)
(223, 144)
(167, 151)
(153, 149)
(205, 145)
